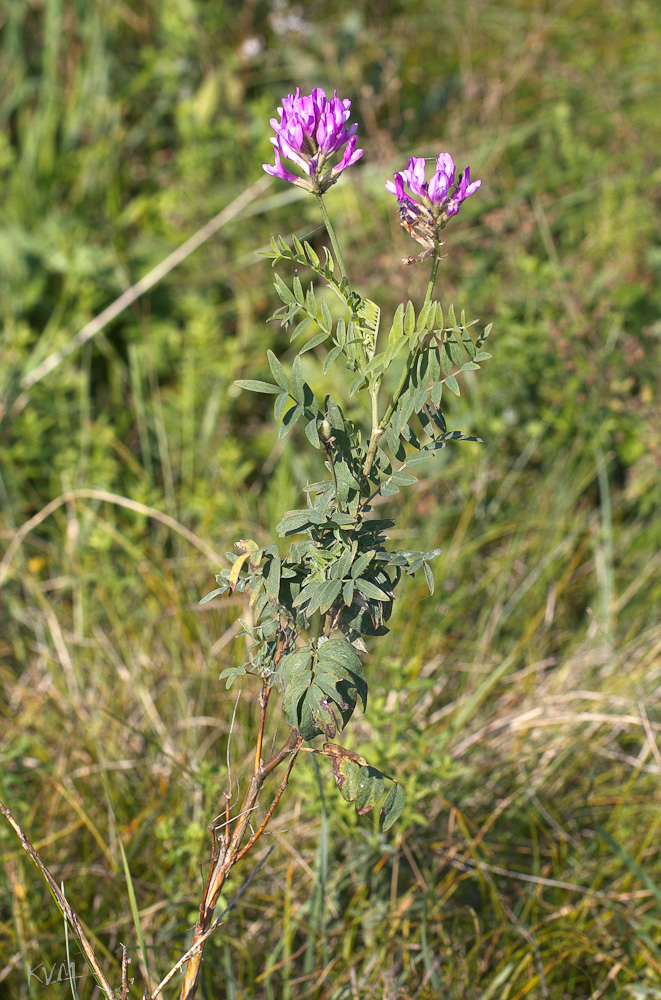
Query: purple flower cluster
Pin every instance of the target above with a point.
(312, 129)
(435, 201)
(433, 194)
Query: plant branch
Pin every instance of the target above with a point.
(255, 837)
(380, 427)
(194, 949)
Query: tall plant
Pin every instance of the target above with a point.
(313, 607)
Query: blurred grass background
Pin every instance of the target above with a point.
(521, 705)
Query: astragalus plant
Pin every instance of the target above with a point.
(326, 588)
(314, 603)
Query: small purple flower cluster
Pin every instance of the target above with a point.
(436, 201)
(433, 195)
(311, 129)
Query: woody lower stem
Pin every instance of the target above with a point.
(228, 856)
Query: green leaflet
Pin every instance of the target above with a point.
(271, 573)
(277, 371)
(293, 522)
(255, 385)
(363, 784)
(348, 777)
(370, 789)
(321, 687)
(393, 807)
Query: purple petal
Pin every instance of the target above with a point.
(279, 171)
(445, 164)
(324, 131)
(466, 185)
(415, 171)
(438, 187)
(318, 98)
(397, 188)
(351, 156)
(290, 153)
(463, 191)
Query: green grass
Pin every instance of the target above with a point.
(520, 705)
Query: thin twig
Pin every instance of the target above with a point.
(228, 793)
(125, 973)
(271, 808)
(221, 826)
(215, 853)
(263, 704)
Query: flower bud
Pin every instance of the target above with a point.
(325, 432)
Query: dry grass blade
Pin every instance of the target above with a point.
(63, 905)
(114, 498)
(133, 293)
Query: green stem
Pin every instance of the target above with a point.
(379, 428)
(375, 408)
(331, 467)
(333, 238)
(412, 358)
(346, 285)
(432, 279)
(377, 432)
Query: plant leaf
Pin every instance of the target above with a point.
(393, 807)
(277, 371)
(255, 385)
(370, 789)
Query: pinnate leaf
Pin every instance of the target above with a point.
(321, 687)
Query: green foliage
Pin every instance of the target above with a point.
(321, 684)
(344, 573)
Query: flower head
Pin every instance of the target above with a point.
(427, 206)
(310, 131)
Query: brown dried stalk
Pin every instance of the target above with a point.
(226, 854)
